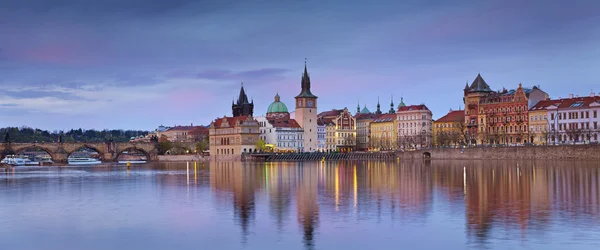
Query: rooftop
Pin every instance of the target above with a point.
(453, 116)
(385, 118)
(412, 108)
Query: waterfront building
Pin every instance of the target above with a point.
(363, 129)
(242, 107)
(383, 132)
(448, 129)
(340, 129)
(230, 137)
(321, 136)
(182, 133)
(539, 124)
(503, 115)
(414, 126)
(306, 113)
(498, 116)
(574, 120)
(278, 129)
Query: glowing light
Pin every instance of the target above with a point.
(355, 188)
(337, 188)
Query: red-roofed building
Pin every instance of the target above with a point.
(232, 136)
(363, 128)
(183, 133)
(448, 130)
(414, 126)
(572, 120)
(383, 132)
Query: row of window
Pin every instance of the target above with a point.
(503, 110)
(575, 115)
(575, 125)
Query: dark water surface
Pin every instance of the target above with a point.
(333, 205)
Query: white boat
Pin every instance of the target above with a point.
(83, 161)
(15, 160)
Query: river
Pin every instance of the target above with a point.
(332, 205)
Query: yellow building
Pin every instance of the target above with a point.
(230, 137)
(384, 135)
(448, 130)
(538, 122)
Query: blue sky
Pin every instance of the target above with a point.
(136, 64)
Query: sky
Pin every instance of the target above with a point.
(138, 64)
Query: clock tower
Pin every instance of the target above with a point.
(306, 113)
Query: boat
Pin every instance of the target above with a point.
(83, 161)
(15, 160)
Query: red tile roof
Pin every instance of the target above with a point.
(576, 102)
(362, 116)
(453, 116)
(284, 123)
(413, 107)
(324, 121)
(385, 118)
(331, 113)
(231, 120)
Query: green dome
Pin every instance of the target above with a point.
(365, 110)
(277, 106)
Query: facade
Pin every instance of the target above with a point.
(182, 133)
(448, 130)
(383, 132)
(574, 120)
(278, 129)
(363, 129)
(232, 136)
(498, 116)
(242, 107)
(503, 116)
(306, 113)
(321, 136)
(414, 126)
(340, 130)
(539, 124)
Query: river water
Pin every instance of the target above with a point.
(332, 205)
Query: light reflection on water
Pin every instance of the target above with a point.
(332, 205)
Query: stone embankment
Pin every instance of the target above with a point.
(179, 158)
(322, 156)
(575, 152)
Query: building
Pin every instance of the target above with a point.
(363, 128)
(321, 136)
(503, 115)
(242, 107)
(498, 116)
(573, 120)
(383, 132)
(182, 133)
(414, 126)
(230, 137)
(306, 113)
(340, 130)
(539, 124)
(448, 130)
(278, 129)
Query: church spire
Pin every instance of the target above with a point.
(392, 111)
(358, 107)
(305, 84)
(378, 107)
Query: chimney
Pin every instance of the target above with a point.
(570, 95)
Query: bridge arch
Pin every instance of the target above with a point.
(47, 150)
(87, 146)
(146, 154)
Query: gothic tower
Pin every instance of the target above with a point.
(306, 113)
(243, 107)
(392, 110)
(378, 107)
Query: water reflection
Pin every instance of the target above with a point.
(352, 205)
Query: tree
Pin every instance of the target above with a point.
(164, 146)
(202, 145)
(7, 138)
(261, 145)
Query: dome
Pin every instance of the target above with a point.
(365, 110)
(401, 104)
(277, 106)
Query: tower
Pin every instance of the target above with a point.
(392, 110)
(358, 108)
(306, 113)
(378, 107)
(242, 107)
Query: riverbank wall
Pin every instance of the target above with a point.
(181, 158)
(574, 152)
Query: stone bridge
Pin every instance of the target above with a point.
(109, 151)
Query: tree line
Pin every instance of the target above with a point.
(27, 135)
